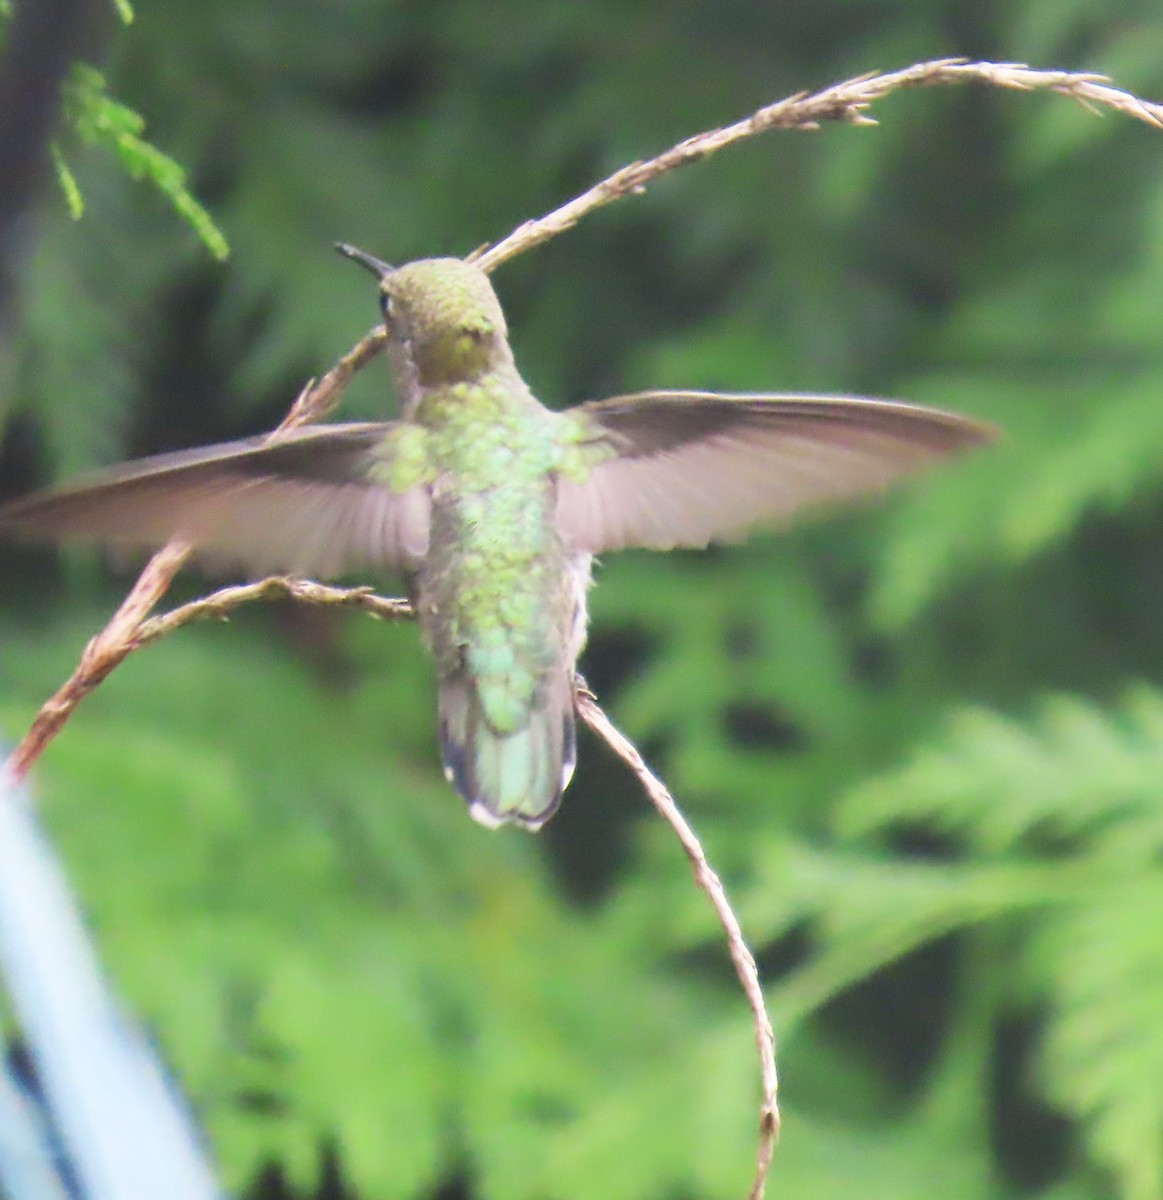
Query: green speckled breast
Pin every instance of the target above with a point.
(496, 594)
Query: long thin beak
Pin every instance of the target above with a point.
(376, 266)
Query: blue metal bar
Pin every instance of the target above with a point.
(124, 1131)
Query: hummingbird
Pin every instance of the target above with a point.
(496, 505)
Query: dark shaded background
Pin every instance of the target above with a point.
(922, 742)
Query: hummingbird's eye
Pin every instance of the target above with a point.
(386, 307)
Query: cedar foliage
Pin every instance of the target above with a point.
(922, 742)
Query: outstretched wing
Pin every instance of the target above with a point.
(307, 502)
(687, 468)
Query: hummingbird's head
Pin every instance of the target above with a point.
(441, 315)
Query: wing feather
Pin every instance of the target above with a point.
(689, 468)
(306, 501)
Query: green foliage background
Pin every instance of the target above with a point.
(923, 743)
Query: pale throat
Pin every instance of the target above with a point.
(456, 356)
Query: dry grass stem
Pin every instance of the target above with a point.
(220, 604)
(124, 631)
(709, 883)
(846, 101)
(319, 399)
(105, 652)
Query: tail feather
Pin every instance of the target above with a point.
(514, 776)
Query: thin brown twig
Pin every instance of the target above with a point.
(710, 884)
(105, 652)
(220, 604)
(846, 102)
(109, 648)
(318, 399)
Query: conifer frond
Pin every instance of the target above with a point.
(1073, 798)
(1098, 968)
(100, 120)
(1079, 777)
